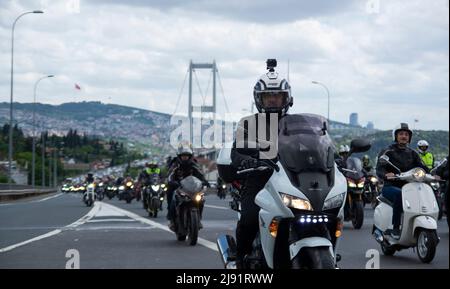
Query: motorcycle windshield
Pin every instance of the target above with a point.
(306, 152)
(356, 165)
(304, 144)
(191, 185)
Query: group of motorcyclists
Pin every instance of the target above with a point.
(272, 95)
(277, 98)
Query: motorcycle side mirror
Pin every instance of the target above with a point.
(359, 145)
(384, 158)
(441, 163)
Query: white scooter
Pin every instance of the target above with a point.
(89, 196)
(420, 212)
(301, 215)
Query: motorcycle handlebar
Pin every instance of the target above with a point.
(261, 168)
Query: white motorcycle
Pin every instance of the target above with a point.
(301, 215)
(89, 195)
(420, 212)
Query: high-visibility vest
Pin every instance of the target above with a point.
(151, 171)
(427, 159)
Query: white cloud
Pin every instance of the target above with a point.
(137, 54)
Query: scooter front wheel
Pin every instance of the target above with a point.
(426, 245)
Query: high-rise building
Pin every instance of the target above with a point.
(370, 125)
(354, 119)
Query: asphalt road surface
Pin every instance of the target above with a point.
(53, 230)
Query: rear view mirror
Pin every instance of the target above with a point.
(384, 158)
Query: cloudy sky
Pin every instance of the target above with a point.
(386, 60)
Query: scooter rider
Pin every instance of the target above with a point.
(404, 158)
(182, 167)
(272, 95)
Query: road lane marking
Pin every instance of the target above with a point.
(48, 198)
(49, 234)
(75, 224)
(217, 207)
(110, 220)
(201, 241)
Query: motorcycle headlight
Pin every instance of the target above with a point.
(155, 187)
(373, 180)
(224, 186)
(296, 203)
(419, 174)
(161, 199)
(82, 188)
(198, 197)
(122, 188)
(334, 202)
(165, 189)
(100, 185)
(351, 184)
(90, 186)
(129, 184)
(361, 184)
(163, 185)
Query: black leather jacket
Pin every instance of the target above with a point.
(240, 154)
(179, 171)
(403, 158)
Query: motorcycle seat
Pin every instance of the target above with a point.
(386, 201)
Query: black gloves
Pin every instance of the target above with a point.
(249, 163)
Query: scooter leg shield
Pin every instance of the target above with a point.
(295, 247)
(425, 222)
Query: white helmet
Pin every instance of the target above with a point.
(344, 149)
(422, 145)
(271, 84)
(401, 127)
(185, 149)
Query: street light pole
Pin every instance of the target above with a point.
(328, 93)
(10, 150)
(33, 170)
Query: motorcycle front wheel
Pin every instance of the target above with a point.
(193, 227)
(314, 258)
(358, 214)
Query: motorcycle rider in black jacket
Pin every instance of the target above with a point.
(182, 167)
(272, 95)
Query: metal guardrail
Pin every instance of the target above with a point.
(16, 193)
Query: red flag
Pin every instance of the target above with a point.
(77, 86)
